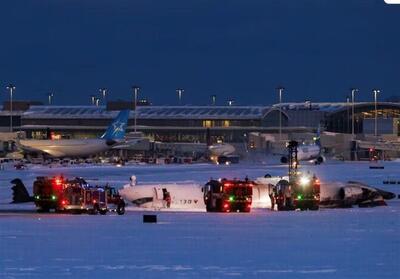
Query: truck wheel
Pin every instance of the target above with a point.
(43, 210)
(121, 209)
(95, 210)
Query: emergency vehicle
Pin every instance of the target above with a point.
(302, 191)
(228, 195)
(47, 193)
(75, 196)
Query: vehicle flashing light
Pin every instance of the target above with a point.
(226, 205)
(299, 197)
(94, 201)
(58, 181)
(304, 180)
(53, 197)
(63, 202)
(231, 198)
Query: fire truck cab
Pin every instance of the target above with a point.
(302, 193)
(47, 193)
(228, 195)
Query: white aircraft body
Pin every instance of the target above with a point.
(221, 149)
(80, 147)
(185, 196)
(190, 196)
(308, 152)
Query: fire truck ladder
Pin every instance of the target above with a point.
(292, 159)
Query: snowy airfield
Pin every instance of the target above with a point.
(330, 243)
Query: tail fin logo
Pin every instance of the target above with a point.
(117, 128)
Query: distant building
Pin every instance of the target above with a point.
(192, 123)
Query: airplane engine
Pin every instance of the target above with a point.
(320, 160)
(350, 195)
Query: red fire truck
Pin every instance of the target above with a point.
(228, 195)
(75, 196)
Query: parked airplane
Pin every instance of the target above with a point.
(190, 196)
(221, 149)
(308, 152)
(114, 134)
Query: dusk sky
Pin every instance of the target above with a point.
(238, 50)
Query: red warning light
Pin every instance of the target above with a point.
(226, 205)
(94, 201)
(58, 181)
(63, 202)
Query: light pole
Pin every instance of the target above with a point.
(103, 92)
(180, 92)
(135, 93)
(348, 114)
(11, 88)
(376, 92)
(353, 92)
(280, 91)
(97, 101)
(231, 102)
(93, 99)
(213, 99)
(50, 96)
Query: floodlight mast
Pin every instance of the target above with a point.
(135, 93)
(293, 161)
(11, 89)
(353, 91)
(280, 91)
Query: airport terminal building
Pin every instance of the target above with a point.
(192, 123)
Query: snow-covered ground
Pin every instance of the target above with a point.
(335, 243)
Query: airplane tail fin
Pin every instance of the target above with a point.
(117, 128)
(20, 194)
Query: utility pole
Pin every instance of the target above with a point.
(135, 93)
(11, 88)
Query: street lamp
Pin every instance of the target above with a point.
(280, 91)
(231, 102)
(135, 92)
(180, 92)
(353, 91)
(103, 92)
(348, 114)
(50, 96)
(213, 99)
(11, 88)
(97, 101)
(376, 92)
(93, 99)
